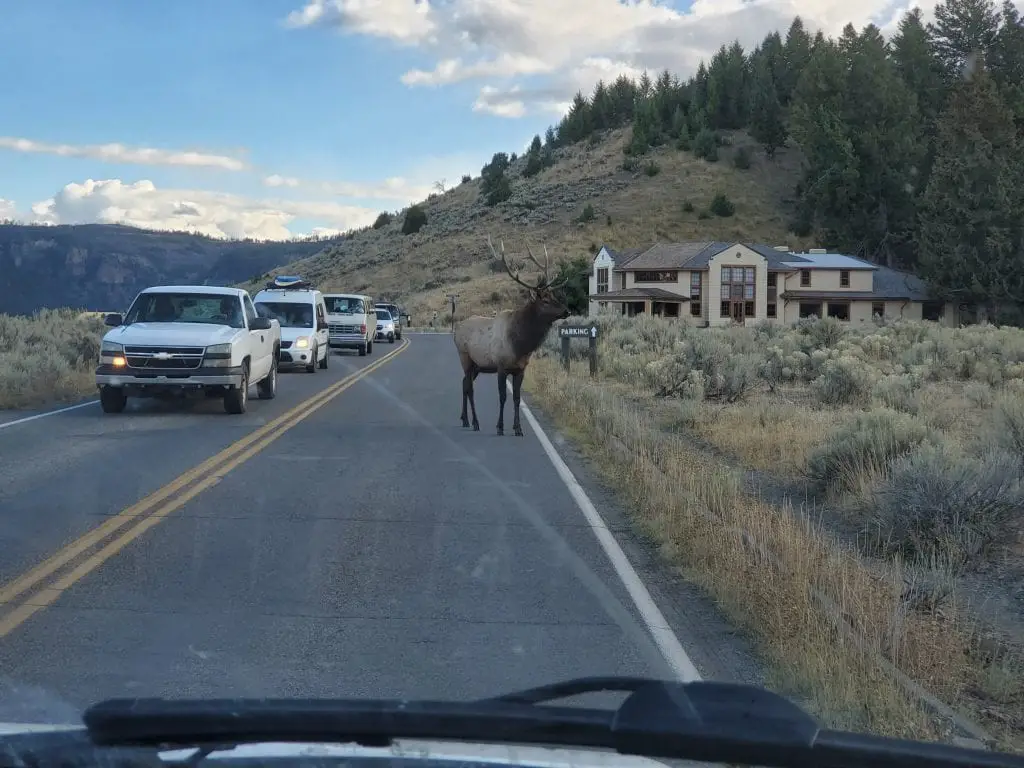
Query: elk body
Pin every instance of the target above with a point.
(503, 344)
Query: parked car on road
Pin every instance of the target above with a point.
(385, 326)
(301, 311)
(351, 321)
(396, 315)
(185, 339)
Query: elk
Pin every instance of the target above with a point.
(503, 344)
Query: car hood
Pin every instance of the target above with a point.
(185, 334)
(455, 751)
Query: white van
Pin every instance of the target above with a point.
(301, 311)
(352, 321)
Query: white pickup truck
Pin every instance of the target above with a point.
(188, 339)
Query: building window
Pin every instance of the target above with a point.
(724, 309)
(773, 279)
(738, 287)
(805, 278)
(602, 280)
(695, 285)
(844, 278)
(810, 309)
(695, 308)
(932, 311)
(771, 310)
(878, 309)
(839, 310)
(667, 276)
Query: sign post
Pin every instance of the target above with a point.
(569, 332)
(452, 297)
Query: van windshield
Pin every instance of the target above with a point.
(288, 314)
(342, 305)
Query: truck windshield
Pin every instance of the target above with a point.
(210, 308)
(341, 305)
(288, 314)
(383, 314)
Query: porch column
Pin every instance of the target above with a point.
(649, 306)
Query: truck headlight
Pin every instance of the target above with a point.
(302, 342)
(218, 356)
(112, 353)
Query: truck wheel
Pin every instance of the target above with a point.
(364, 349)
(327, 359)
(112, 400)
(311, 368)
(236, 400)
(267, 389)
(369, 348)
(391, 338)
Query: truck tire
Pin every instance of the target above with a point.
(369, 347)
(267, 389)
(327, 358)
(112, 400)
(364, 349)
(236, 400)
(311, 368)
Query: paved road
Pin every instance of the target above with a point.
(372, 548)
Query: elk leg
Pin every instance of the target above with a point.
(502, 396)
(470, 378)
(517, 388)
(467, 387)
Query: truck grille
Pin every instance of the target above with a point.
(338, 328)
(154, 357)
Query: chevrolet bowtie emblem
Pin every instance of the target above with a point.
(163, 356)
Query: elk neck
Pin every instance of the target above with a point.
(528, 329)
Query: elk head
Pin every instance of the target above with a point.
(543, 297)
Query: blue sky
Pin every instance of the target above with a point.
(306, 90)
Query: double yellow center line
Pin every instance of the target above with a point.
(152, 510)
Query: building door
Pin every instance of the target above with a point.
(737, 312)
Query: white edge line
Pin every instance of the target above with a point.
(6, 424)
(650, 614)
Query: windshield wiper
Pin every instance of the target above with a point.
(704, 721)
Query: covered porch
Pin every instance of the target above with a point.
(638, 301)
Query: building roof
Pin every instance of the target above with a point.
(638, 294)
(619, 258)
(827, 261)
(697, 255)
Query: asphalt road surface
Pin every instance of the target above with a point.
(345, 538)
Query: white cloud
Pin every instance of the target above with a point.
(8, 209)
(420, 181)
(119, 153)
(142, 204)
(561, 46)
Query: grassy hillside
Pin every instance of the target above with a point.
(666, 197)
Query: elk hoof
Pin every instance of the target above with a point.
(517, 431)
(476, 427)
(465, 423)
(500, 431)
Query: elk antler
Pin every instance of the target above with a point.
(514, 275)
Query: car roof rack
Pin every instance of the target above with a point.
(288, 283)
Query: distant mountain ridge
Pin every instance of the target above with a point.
(103, 266)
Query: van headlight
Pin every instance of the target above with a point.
(218, 356)
(302, 342)
(111, 348)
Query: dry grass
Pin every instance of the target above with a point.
(631, 208)
(49, 357)
(909, 437)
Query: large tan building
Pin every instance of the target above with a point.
(714, 284)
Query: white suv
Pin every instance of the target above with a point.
(301, 311)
